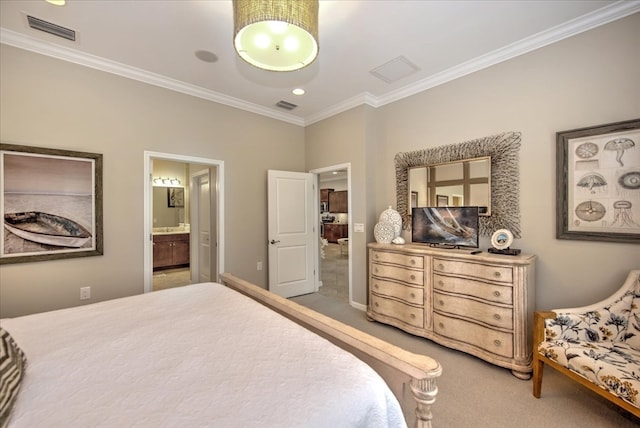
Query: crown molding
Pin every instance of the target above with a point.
(28, 43)
(364, 98)
(586, 22)
(573, 27)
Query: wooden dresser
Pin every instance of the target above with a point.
(481, 304)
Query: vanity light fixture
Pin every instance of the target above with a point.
(166, 181)
(276, 35)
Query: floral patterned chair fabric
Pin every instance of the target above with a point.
(597, 345)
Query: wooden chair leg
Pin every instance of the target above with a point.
(538, 369)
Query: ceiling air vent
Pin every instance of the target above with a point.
(51, 28)
(285, 105)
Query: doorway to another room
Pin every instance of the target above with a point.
(183, 220)
(334, 233)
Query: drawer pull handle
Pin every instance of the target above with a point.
(441, 303)
(441, 283)
(413, 277)
(497, 274)
(497, 342)
(497, 316)
(441, 266)
(440, 325)
(413, 295)
(376, 304)
(496, 293)
(413, 316)
(376, 270)
(413, 262)
(376, 286)
(376, 256)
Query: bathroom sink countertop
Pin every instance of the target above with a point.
(169, 230)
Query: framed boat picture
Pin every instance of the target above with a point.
(51, 204)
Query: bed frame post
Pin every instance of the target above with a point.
(424, 392)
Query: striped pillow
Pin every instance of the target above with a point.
(12, 366)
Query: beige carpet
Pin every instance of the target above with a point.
(169, 278)
(474, 393)
(334, 273)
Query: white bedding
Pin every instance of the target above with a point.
(201, 355)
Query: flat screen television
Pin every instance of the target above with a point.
(448, 227)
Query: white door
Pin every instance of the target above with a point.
(292, 233)
(204, 227)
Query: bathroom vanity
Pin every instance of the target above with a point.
(170, 250)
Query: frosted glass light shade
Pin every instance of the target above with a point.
(276, 35)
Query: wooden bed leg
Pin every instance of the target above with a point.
(424, 392)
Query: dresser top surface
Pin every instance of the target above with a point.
(466, 254)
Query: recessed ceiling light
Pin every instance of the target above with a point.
(206, 56)
(298, 91)
(57, 2)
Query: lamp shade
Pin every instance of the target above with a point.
(276, 35)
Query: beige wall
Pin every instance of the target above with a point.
(587, 80)
(51, 103)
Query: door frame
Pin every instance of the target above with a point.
(317, 172)
(149, 156)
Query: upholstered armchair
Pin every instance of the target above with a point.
(596, 345)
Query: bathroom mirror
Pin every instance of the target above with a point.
(461, 183)
(163, 214)
(503, 179)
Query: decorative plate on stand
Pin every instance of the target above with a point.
(502, 239)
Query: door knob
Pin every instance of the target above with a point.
(273, 241)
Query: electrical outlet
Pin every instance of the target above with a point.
(85, 293)
(259, 266)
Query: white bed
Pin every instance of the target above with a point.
(200, 355)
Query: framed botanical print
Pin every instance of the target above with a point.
(598, 180)
(51, 204)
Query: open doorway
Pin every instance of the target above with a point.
(335, 228)
(183, 221)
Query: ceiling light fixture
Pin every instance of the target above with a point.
(276, 35)
(298, 91)
(57, 2)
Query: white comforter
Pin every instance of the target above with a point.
(196, 356)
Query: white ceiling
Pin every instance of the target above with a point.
(156, 41)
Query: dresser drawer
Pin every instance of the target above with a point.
(480, 271)
(405, 313)
(415, 277)
(496, 342)
(411, 295)
(491, 292)
(398, 259)
(488, 314)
